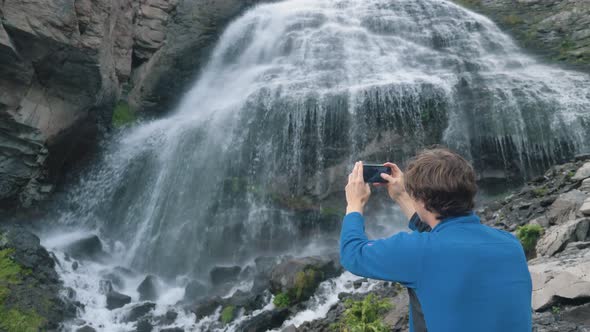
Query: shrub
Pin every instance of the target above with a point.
(528, 235)
(304, 282)
(282, 300)
(540, 192)
(364, 315)
(227, 314)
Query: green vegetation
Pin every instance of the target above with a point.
(570, 174)
(512, 19)
(556, 310)
(364, 316)
(12, 319)
(540, 192)
(282, 300)
(305, 282)
(528, 236)
(122, 115)
(228, 314)
(469, 3)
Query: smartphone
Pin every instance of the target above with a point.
(372, 173)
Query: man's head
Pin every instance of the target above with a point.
(441, 183)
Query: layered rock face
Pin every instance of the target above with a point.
(558, 29)
(64, 64)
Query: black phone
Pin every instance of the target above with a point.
(372, 173)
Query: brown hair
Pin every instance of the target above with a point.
(443, 180)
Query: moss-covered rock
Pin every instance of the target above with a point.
(558, 29)
(29, 285)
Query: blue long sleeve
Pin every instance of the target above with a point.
(398, 258)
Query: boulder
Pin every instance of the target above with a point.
(144, 326)
(148, 289)
(195, 290)
(265, 321)
(562, 279)
(117, 300)
(565, 207)
(556, 238)
(299, 277)
(585, 186)
(172, 329)
(578, 315)
(139, 311)
(223, 274)
(206, 307)
(247, 300)
(582, 173)
(86, 328)
(88, 248)
(105, 287)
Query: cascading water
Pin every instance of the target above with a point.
(254, 160)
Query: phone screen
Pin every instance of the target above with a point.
(372, 173)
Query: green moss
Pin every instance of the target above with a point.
(228, 314)
(364, 316)
(17, 321)
(570, 174)
(282, 300)
(540, 192)
(512, 20)
(12, 319)
(529, 235)
(305, 282)
(122, 115)
(469, 3)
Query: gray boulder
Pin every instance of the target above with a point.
(88, 248)
(556, 238)
(299, 277)
(148, 289)
(223, 274)
(563, 278)
(583, 172)
(117, 300)
(565, 207)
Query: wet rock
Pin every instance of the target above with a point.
(585, 186)
(75, 265)
(41, 291)
(117, 300)
(223, 274)
(562, 279)
(88, 248)
(265, 321)
(148, 290)
(86, 328)
(358, 283)
(578, 315)
(206, 307)
(290, 328)
(170, 317)
(144, 326)
(139, 311)
(105, 287)
(172, 329)
(301, 276)
(115, 279)
(194, 291)
(246, 300)
(556, 238)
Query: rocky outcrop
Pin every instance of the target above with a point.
(558, 29)
(30, 289)
(190, 35)
(64, 65)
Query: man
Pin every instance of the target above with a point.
(462, 276)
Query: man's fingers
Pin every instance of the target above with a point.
(395, 171)
(387, 177)
(359, 172)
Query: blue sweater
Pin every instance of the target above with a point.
(467, 276)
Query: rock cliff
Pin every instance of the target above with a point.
(559, 30)
(65, 64)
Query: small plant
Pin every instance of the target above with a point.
(512, 20)
(540, 192)
(122, 115)
(282, 300)
(364, 315)
(304, 281)
(556, 310)
(528, 235)
(570, 174)
(227, 314)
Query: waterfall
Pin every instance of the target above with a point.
(254, 159)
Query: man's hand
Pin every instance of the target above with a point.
(357, 191)
(396, 189)
(395, 181)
